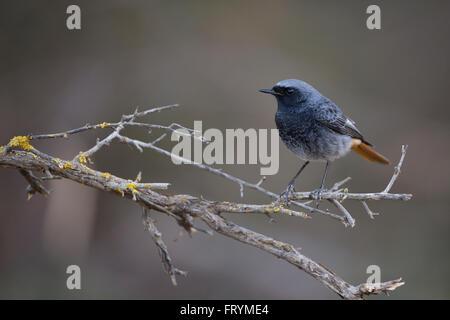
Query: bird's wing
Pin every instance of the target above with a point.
(331, 117)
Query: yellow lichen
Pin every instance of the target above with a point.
(104, 124)
(68, 165)
(65, 135)
(82, 159)
(85, 167)
(2, 148)
(21, 142)
(106, 175)
(131, 186)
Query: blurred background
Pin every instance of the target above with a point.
(212, 58)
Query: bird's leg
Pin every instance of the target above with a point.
(319, 191)
(291, 186)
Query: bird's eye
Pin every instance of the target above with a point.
(290, 91)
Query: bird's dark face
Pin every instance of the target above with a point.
(287, 96)
(291, 93)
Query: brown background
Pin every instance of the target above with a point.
(212, 58)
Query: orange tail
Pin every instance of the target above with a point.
(367, 152)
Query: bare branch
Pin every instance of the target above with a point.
(288, 253)
(349, 219)
(338, 184)
(337, 196)
(35, 184)
(396, 170)
(20, 155)
(350, 196)
(377, 288)
(162, 248)
(137, 114)
(369, 212)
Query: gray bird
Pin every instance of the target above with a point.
(315, 129)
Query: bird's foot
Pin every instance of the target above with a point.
(317, 195)
(284, 196)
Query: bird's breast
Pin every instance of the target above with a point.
(309, 140)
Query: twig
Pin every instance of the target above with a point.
(349, 219)
(351, 196)
(377, 288)
(162, 248)
(35, 184)
(148, 111)
(396, 170)
(338, 184)
(369, 212)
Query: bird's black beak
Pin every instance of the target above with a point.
(270, 91)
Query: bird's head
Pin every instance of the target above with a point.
(293, 93)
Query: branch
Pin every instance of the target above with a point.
(162, 248)
(396, 171)
(35, 184)
(335, 194)
(19, 154)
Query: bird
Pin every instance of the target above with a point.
(314, 128)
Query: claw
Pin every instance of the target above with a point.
(286, 193)
(317, 195)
